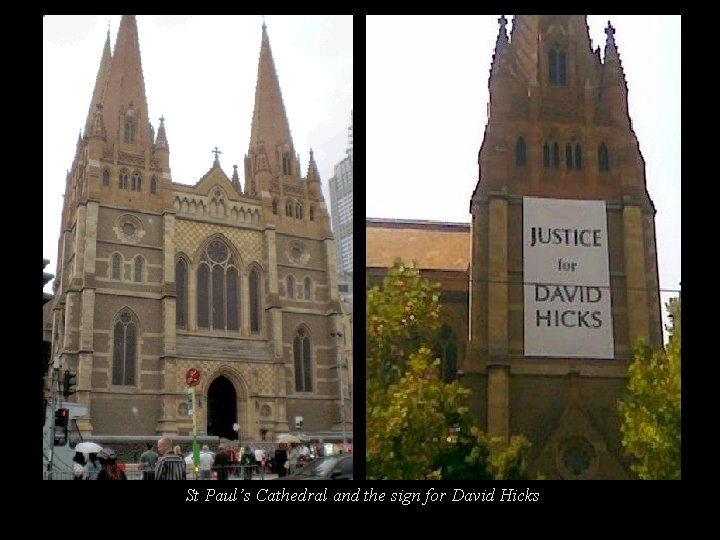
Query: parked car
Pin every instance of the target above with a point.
(339, 467)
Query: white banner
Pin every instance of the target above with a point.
(567, 279)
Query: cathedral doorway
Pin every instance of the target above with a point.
(222, 408)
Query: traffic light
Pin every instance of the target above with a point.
(69, 383)
(61, 417)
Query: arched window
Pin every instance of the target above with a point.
(546, 155)
(274, 206)
(312, 213)
(129, 132)
(287, 167)
(307, 289)
(568, 156)
(578, 157)
(232, 299)
(203, 286)
(181, 293)
(106, 177)
(116, 263)
(289, 208)
(123, 180)
(303, 362)
(603, 158)
(124, 347)
(298, 210)
(138, 269)
(153, 185)
(290, 287)
(254, 302)
(520, 152)
(218, 291)
(556, 155)
(136, 181)
(557, 67)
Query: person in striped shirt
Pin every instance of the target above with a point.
(170, 466)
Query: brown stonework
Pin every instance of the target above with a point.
(566, 407)
(156, 230)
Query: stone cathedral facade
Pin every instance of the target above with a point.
(559, 129)
(156, 277)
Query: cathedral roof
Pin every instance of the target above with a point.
(432, 245)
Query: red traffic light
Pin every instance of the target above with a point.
(61, 417)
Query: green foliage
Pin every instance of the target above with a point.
(650, 415)
(417, 426)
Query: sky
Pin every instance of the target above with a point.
(200, 74)
(427, 95)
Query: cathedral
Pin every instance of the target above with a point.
(547, 290)
(157, 280)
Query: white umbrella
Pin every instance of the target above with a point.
(286, 438)
(88, 447)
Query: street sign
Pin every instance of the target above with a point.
(192, 377)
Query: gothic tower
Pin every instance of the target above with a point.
(156, 277)
(559, 162)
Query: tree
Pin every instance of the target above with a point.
(650, 415)
(418, 426)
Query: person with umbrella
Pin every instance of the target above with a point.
(93, 466)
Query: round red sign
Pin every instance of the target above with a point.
(192, 377)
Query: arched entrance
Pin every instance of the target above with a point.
(222, 408)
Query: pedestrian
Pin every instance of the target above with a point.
(221, 466)
(206, 461)
(259, 458)
(169, 466)
(93, 466)
(248, 462)
(148, 460)
(281, 460)
(80, 469)
(292, 458)
(110, 470)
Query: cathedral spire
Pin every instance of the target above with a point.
(100, 83)
(270, 125)
(502, 46)
(125, 103)
(236, 180)
(614, 74)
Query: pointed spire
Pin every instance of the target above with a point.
(312, 171)
(270, 124)
(613, 66)
(502, 46)
(124, 97)
(161, 139)
(100, 83)
(236, 180)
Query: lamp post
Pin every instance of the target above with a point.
(338, 338)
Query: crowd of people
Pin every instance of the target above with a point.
(229, 461)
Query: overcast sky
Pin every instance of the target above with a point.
(200, 74)
(427, 95)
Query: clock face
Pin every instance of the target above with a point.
(128, 229)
